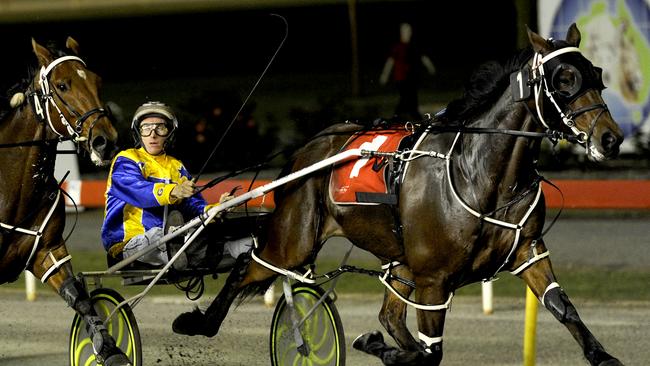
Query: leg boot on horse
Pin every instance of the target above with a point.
(373, 343)
(106, 352)
(541, 280)
(76, 296)
(427, 352)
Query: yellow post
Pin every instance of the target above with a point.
(530, 327)
(30, 286)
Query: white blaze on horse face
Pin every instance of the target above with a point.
(82, 74)
(373, 146)
(593, 154)
(95, 158)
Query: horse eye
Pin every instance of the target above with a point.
(62, 86)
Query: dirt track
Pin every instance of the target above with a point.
(32, 338)
(36, 333)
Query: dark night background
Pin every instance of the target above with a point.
(183, 57)
(455, 34)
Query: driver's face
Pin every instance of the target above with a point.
(154, 144)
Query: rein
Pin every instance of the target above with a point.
(550, 134)
(33, 143)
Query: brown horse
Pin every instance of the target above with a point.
(469, 206)
(57, 101)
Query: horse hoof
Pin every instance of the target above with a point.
(363, 340)
(612, 362)
(192, 323)
(117, 360)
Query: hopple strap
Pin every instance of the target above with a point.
(54, 260)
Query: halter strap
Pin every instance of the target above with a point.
(567, 118)
(559, 52)
(45, 71)
(43, 82)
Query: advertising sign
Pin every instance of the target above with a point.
(615, 36)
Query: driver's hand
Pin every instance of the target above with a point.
(225, 197)
(183, 190)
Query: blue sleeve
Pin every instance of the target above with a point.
(129, 185)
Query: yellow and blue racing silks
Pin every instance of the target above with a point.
(138, 188)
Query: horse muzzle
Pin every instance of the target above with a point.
(605, 145)
(102, 149)
(101, 141)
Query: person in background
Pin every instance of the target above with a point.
(404, 62)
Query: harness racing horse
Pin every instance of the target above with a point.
(470, 204)
(57, 101)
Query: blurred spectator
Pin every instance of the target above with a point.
(209, 115)
(405, 61)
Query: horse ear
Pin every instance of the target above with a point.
(73, 45)
(573, 35)
(539, 44)
(42, 54)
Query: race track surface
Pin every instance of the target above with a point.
(35, 334)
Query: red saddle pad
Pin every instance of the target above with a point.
(364, 175)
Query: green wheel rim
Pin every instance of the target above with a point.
(122, 327)
(322, 331)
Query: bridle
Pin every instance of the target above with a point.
(541, 78)
(521, 83)
(43, 99)
(540, 81)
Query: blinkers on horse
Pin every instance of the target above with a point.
(476, 163)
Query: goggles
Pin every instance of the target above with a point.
(147, 128)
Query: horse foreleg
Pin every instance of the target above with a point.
(542, 282)
(430, 325)
(58, 275)
(208, 323)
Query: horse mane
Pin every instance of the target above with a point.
(23, 84)
(483, 89)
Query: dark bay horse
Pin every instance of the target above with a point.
(57, 101)
(470, 204)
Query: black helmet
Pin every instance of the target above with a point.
(150, 109)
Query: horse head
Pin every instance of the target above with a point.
(573, 87)
(66, 94)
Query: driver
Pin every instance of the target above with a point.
(149, 190)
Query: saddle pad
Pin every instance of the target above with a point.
(363, 181)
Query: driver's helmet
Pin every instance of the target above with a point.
(158, 109)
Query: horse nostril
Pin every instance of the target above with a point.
(99, 144)
(609, 141)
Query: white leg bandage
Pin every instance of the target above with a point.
(429, 341)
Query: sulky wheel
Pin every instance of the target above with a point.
(322, 331)
(122, 327)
